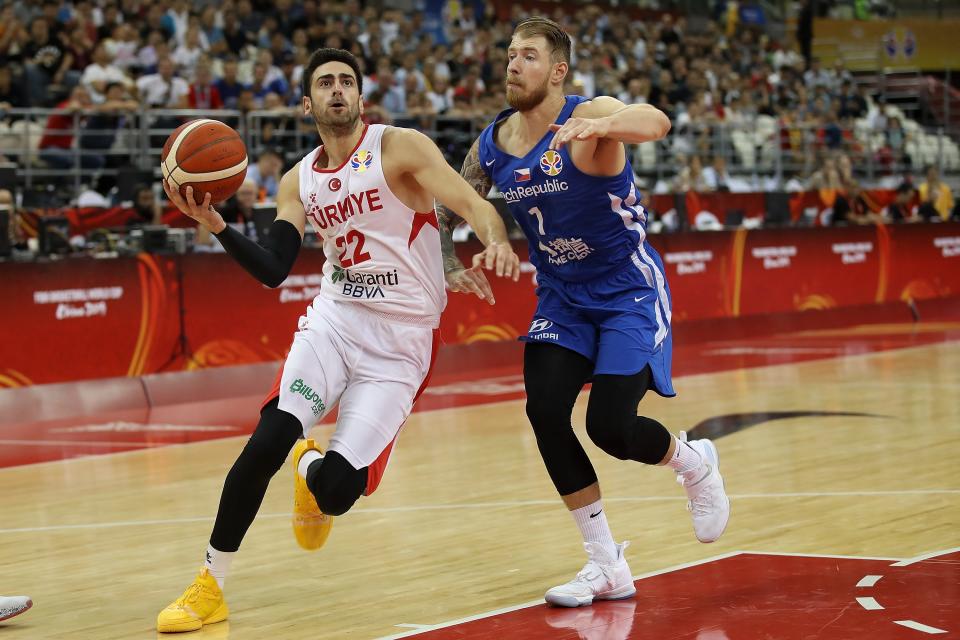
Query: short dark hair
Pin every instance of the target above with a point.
(323, 56)
(557, 39)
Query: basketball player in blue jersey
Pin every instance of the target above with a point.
(603, 311)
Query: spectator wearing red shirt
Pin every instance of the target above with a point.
(203, 93)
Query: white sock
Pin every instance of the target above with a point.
(305, 461)
(595, 529)
(685, 460)
(218, 563)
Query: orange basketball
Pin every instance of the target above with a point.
(206, 155)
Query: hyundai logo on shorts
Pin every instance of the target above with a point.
(539, 325)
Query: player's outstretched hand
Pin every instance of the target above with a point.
(578, 129)
(204, 213)
(499, 257)
(470, 281)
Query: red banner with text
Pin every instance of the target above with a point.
(83, 318)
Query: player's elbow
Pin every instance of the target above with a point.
(660, 126)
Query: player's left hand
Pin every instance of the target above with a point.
(499, 257)
(578, 129)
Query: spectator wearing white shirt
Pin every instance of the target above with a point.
(441, 96)
(163, 89)
(101, 72)
(188, 54)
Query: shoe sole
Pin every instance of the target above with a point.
(192, 625)
(16, 613)
(572, 602)
(715, 461)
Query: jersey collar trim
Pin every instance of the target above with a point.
(313, 164)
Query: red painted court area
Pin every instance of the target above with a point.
(752, 596)
(63, 421)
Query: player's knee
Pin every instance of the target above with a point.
(545, 414)
(267, 449)
(336, 484)
(610, 437)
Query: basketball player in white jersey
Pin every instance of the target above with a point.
(369, 338)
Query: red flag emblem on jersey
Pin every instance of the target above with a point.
(521, 175)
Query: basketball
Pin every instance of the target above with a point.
(207, 155)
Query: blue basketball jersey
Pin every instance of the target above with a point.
(601, 291)
(579, 227)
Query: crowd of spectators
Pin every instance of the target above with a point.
(101, 61)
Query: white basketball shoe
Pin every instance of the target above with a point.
(707, 499)
(13, 606)
(602, 578)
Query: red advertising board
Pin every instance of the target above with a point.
(83, 318)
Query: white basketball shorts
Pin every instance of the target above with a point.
(374, 367)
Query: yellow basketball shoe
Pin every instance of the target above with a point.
(310, 525)
(202, 603)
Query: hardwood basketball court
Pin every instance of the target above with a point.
(847, 446)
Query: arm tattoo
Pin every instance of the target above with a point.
(474, 174)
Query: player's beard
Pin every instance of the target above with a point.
(526, 99)
(338, 124)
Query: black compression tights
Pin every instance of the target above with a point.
(334, 482)
(553, 377)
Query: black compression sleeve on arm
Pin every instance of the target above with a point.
(269, 262)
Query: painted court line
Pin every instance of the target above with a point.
(910, 624)
(925, 556)
(870, 604)
(510, 505)
(539, 601)
(868, 581)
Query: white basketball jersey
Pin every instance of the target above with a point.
(380, 253)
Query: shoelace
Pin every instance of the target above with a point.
(192, 594)
(702, 504)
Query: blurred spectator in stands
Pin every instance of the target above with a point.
(164, 90)
(691, 177)
(96, 195)
(936, 199)
(99, 132)
(899, 210)
(146, 207)
(261, 87)
(212, 33)
(237, 212)
(895, 148)
(265, 174)
(177, 19)
(186, 56)
(234, 36)
(850, 207)
(203, 92)
(229, 87)
(148, 56)
(14, 230)
(102, 72)
(56, 146)
(636, 91)
(717, 178)
(47, 60)
(123, 45)
(420, 107)
(80, 45)
(12, 94)
(441, 95)
(852, 103)
(13, 32)
(816, 76)
(461, 107)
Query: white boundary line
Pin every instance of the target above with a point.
(869, 603)
(485, 506)
(539, 601)
(918, 626)
(925, 556)
(866, 603)
(869, 581)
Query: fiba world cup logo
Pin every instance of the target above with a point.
(551, 163)
(361, 161)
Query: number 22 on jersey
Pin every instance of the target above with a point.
(352, 242)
